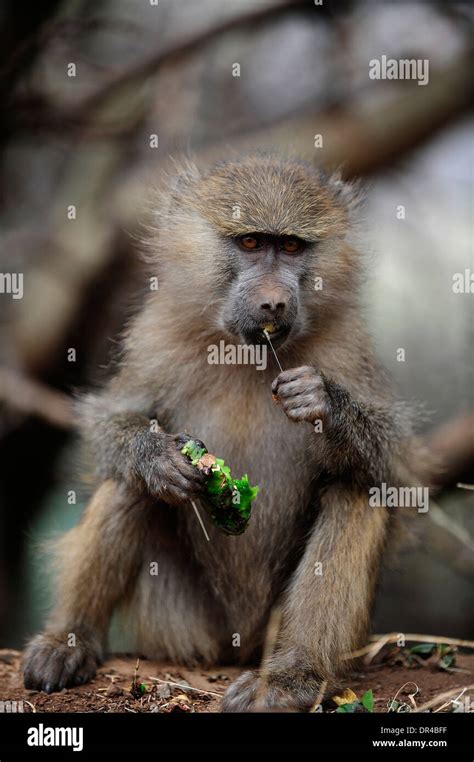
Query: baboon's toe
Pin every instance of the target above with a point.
(54, 661)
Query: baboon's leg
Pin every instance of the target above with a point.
(97, 563)
(326, 607)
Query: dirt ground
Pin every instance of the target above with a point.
(166, 688)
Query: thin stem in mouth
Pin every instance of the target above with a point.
(200, 520)
(267, 336)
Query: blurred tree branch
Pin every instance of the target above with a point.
(30, 397)
(364, 142)
(37, 111)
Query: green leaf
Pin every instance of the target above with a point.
(348, 708)
(423, 648)
(448, 654)
(447, 661)
(231, 515)
(368, 700)
(192, 451)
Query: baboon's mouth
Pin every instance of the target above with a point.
(276, 333)
(257, 335)
(278, 336)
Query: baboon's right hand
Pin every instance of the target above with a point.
(168, 474)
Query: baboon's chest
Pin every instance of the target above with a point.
(254, 436)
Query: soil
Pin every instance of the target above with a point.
(112, 688)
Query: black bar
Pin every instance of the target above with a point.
(443, 734)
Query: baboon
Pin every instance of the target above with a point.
(252, 241)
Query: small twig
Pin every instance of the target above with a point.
(447, 703)
(186, 687)
(376, 649)
(200, 520)
(382, 640)
(443, 697)
(267, 336)
(112, 677)
(410, 695)
(421, 638)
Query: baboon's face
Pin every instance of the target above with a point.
(261, 245)
(264, 294)
(279, 227)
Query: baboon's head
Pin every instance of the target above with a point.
(258, 243)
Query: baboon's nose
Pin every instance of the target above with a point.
(273, 304)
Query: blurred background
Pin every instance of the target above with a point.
(96, 97)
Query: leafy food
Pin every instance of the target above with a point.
(228, 501)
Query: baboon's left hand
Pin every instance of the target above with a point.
(303, 395)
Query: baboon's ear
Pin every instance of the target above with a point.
(349, 194)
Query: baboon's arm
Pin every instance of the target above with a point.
(127, 444)
(363, 442)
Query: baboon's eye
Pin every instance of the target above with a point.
(249, 242)
(291, 245)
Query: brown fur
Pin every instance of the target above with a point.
(313, 505)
